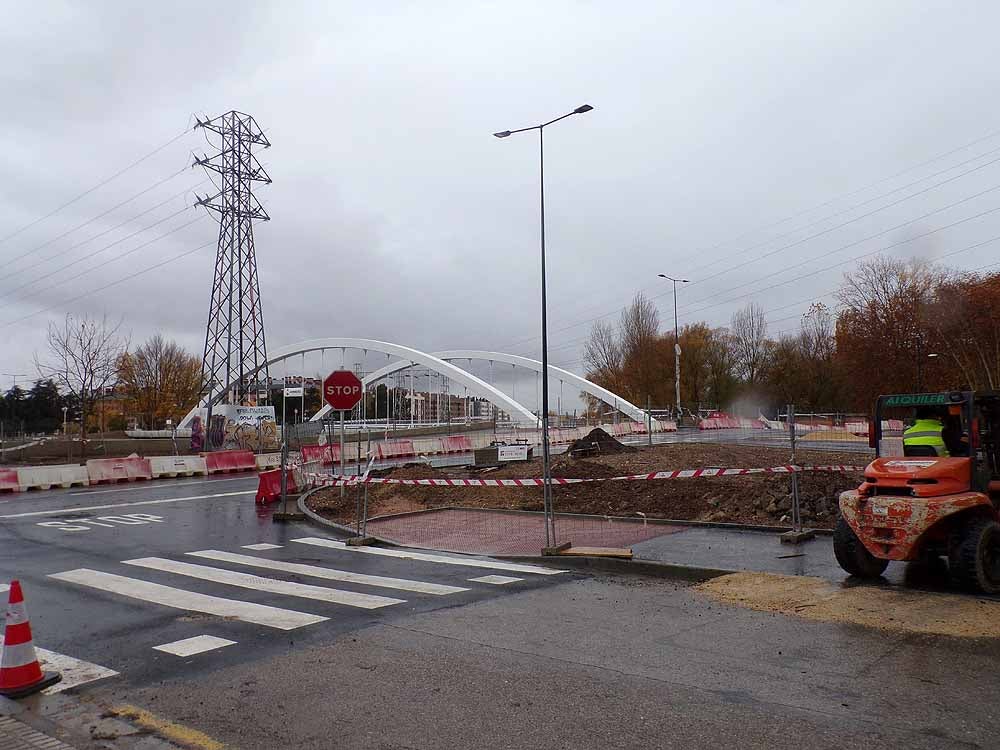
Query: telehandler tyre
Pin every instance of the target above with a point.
(974, 555)
(852, 555)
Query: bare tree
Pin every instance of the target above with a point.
(82, 359)
(639, 326)
(602, 354)
(749, 332)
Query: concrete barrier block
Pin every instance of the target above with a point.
(268, 461)
(177, 466)
(46, 477)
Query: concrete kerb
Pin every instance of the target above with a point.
(648, 568)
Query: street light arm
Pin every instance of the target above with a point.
(578, 111)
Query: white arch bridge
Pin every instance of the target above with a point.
(444, 364)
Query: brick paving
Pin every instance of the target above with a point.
(509, 533)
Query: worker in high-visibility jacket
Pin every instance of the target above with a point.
(927, 429)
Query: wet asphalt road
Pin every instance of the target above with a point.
(98, 528)
(550, 661)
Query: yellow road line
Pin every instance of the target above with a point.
(178, 733)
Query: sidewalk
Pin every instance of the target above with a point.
(763, 552)
(61, 722)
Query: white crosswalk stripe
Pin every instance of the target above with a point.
(168, 596)
(329, 574)
(199, 644)
(470, 562)
(75, 672)
(271, 585)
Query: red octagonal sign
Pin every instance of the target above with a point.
(342, 390)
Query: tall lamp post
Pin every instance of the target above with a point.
(550, 528)
(677, 346)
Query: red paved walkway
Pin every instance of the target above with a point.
(485, 532)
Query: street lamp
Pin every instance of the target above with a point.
(550, 528)
(677, 345)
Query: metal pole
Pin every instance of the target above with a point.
(677, 357)
(649, 423)
(550, 527)
(343, 471)
(796, 512)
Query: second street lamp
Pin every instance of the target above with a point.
(550, 527)
(677, 346)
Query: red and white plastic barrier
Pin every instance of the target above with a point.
(324, 479)
(456, 444)
(230, 461)
(8, 481)
(395, 449)
(269, 486)
(325, 454)
(112, 470)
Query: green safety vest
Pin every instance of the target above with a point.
(926, 432)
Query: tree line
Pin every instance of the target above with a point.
(89, 367)
(899, 326)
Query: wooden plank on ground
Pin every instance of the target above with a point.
(621, 552)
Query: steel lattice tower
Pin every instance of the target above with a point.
(235, 352)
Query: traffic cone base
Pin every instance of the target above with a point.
(48, 678)
(20, 672)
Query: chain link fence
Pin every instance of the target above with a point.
(613, 486)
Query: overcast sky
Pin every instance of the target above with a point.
(397, 216)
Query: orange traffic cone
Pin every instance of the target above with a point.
(20, 672)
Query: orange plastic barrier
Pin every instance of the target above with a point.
(326, 454)
(8, 481)
(395, 449)
(229, 461)
(456, 444)
(100, 470)
(269, 487)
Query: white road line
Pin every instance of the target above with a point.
(75, 672)
(133, 488)
(270, 585)
(329, 573)
(427, 557)
(199, 644)
(496, 580)
(64, 511)
(261, 546)
(168, 596)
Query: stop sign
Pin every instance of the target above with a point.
(342, 390)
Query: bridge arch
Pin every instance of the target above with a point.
(409, 356)
(602, 394)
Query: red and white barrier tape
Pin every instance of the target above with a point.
(336, 479)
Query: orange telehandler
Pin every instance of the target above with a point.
(920, 505)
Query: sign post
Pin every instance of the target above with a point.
(342, 391)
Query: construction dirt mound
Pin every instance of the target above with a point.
(597, 443)
(762, 499)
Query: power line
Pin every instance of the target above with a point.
(117, 257)
(863, 216)
(45, 260)
(856, 257)
(858, 191)
(95, 218)
(821, 205)
(90, 190)
(856, 218)
(113, 283)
